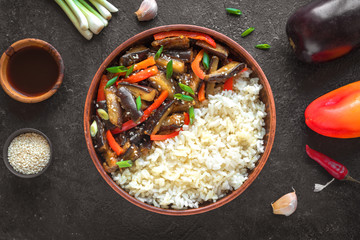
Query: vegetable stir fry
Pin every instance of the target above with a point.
(150, 92)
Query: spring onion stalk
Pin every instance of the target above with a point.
(95, 24)
(102, 10)
(108, 5)
(84, 25)
(91, 9)
(86, 33)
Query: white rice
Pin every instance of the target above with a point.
(209, 158)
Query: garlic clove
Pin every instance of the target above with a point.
(147, 10)
(286, 205)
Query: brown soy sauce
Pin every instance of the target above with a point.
(32, 71)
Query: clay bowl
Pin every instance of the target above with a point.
(4, 61)
(266, 97)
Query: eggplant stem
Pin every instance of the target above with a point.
(348, 178)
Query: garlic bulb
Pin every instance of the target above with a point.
(147, 10)
(286, 205)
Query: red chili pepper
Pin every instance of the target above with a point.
(228, 85)
(336, 169)
(186, 119)
(101, 93)
(193, 35)
(164, 137)
(130, 124)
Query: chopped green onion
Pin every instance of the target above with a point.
(103, 114)
(206, 61)
(117, 69)
(125, 164)
(247, 32)
(263, 46)
(191, 114)
(186, 88)
(138, 103)
(129, 71)
(93, 129)
(233, 11)
(111, 82)
(169, 69)
(158, 53)
(183, 97)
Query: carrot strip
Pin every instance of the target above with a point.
(195, 65)
(164, 137)
(101, 93)
(130, 124)
(228, 85)
(113, 144)
(186, 119)
(142, 75)
(193, 35)
(141, 65)
(201, 94)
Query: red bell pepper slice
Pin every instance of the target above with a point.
(130, 124)
(337, 113)
(164, 137)
(201, 93)
(141, 65)
(142, 75)
(195, 65)
(101, 93)
(193, 35)
(228, 85)
(113, 144)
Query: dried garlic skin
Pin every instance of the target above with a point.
(147, 10)
(286, 205)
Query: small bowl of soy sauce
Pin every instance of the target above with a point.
(31, 70)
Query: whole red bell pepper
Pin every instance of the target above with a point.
(337, 113)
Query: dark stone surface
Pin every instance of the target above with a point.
(72, 201)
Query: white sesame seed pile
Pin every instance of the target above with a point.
(29, 153)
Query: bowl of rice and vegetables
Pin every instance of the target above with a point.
(179, 120)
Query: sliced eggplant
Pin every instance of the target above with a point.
(129, 104)
(110, 161)
(172, 43)
(178, 65)
(210, 86)
(132, 153)
(154, 122)
(172, 122)
(102, 105)
(100, 142)
(134, 55)
(184, 55)
(182, 106)
(161, 83)
(114, 109)
(146, 93)
(226, 72)
(190, 80)
(220, 51)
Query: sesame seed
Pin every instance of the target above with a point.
(29, 153)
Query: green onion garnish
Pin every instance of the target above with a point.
(158, 53)
(93, 129)
(186, 88)
(129, 71)
(263, 46)
(191, 114)
(206, 61)
(183, 97)
(125, 164)
(169, 69)
(117, 69)
(138, 103)
(233, 11)
(103, 114)
(111, 82)
(247, 32)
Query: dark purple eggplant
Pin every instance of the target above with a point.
(173, 122)
(107, 123)
(172, 43)
(161, 83)
(184, 55)
(100, 142)
(155, 120)
(146, 93)
(129, 104)
(210, 86)
(114, 109)
(324, 29)
(178, 65)
(220, 51)
(226, 72)
(134, 55)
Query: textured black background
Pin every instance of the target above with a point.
(72, 201)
